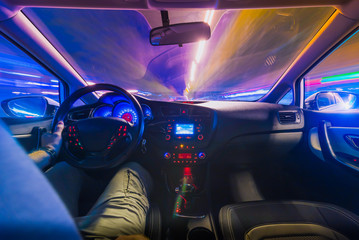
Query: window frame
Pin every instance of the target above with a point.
(300, 82)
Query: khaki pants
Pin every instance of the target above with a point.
(120, 210)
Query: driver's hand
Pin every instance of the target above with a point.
(53, 140)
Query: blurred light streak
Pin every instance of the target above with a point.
(54, 80)
(30, 114)
(143, 93)
(200, 51)
(193, 71)
(20, 74)
(18, 93)
(14, 60)
(207, 16)
(50, 93)
(246, 93)
(209, 21)
(312, 82)
(345, 76)
(38, 84)
(132, 91)
(90, 83)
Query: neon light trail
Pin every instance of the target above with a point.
(343, 78)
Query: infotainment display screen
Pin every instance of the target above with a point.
(184, 129)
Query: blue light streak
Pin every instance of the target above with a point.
(21, 74)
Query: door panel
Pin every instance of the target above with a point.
(346, 152)
(338, 144)
(27, 132)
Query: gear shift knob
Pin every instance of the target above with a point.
(185, 188)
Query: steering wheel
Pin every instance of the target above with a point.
(100, 142)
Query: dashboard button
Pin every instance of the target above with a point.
(167, 155)
(201, 155)
(184, 111)
(168, 137)
(200, 137)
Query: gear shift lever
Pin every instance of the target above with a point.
(185, 188)
(184, 205)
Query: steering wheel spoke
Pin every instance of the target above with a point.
(122, 137)
(72, 142)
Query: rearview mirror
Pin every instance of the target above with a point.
(179, 34)
(30, 107)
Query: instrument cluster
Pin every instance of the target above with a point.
(117, 106)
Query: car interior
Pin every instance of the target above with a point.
(244, 112)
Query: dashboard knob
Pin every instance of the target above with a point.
(201, 155)
(167, 155)
(168, 137)
(200, 137)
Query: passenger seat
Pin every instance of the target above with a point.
(289, 220)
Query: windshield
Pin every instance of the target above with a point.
(246, 54)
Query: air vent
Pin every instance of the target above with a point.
(80, 114)
(289, 117)
(167, 111)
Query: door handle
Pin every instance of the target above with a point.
(353, 141)
(327, 150)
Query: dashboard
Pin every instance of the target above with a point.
(190, 133)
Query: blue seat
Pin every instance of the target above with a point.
(29, 207)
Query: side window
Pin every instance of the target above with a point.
(287, 99)
(333, 84)
(27, 89)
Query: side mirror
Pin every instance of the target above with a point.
(30, 107)
(333, 101)
(179, 34)
(325, 100)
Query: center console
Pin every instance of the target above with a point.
(184, 139)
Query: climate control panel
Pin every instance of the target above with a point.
(183, 154)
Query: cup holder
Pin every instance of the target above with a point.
(200, 233)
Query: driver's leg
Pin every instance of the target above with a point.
(122, 208)
(67, 181)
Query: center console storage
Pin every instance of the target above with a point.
(198, 233)
(190, 215)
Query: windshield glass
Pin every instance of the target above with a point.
(246, 54)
